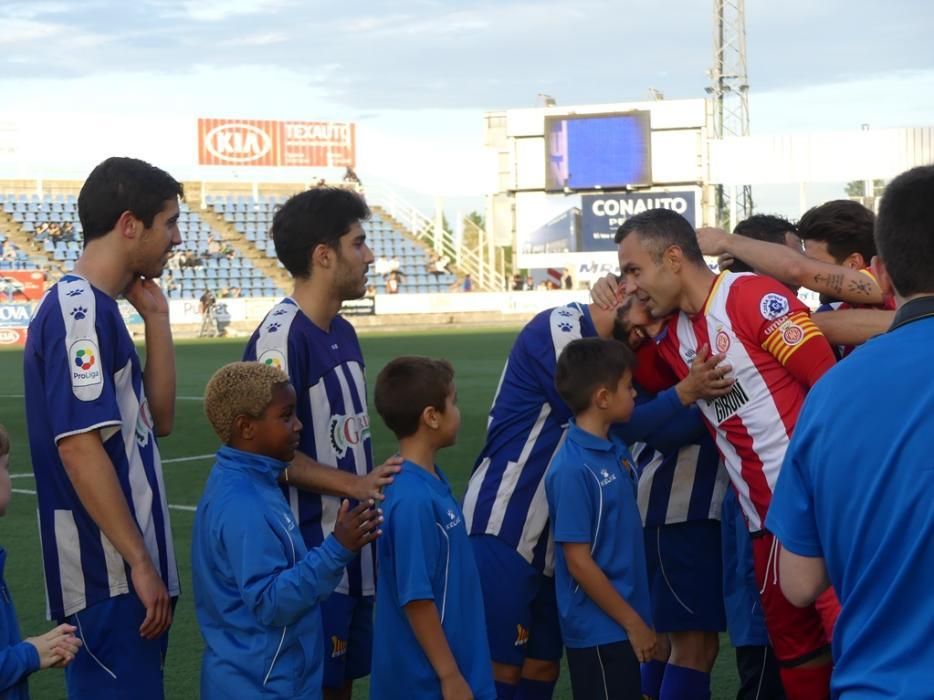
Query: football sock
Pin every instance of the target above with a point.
(535, 690)
(682, 683)
(505, 691)
(652, 674)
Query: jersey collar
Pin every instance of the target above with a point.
(914, 310)
(587, 440)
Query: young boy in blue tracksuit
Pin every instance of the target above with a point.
(430, 638)
(256, 586)
(18, 657)
(600, 572)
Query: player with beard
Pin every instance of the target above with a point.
(320, 240)
(93, 414)
(777, 354)
(505, 505)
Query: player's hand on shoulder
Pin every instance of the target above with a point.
(360, 526)
(371, 486)
(146, 297)
(607, 292)
(455, 687)
(712, 241)
(709, 378)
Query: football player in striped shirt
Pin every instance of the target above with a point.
(776, 353)
(93, 413)
(505, 505)
(320, 240)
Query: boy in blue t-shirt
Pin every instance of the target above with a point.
(430, 636)
(257, 587)
(21, 657)
(600, 572)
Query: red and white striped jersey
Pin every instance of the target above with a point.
(776, 353)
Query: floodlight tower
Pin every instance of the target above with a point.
(729, 88)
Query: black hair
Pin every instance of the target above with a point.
(761, 227)
(844, 225)
(123, 184)
(317, 216)
(406, 387)
(587, 364)
(659, 229)
(905, 231)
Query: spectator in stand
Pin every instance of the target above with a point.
(68, 230)
(568, 280)
(517, 284)
(432, 266)
(529, 283)
(381, 266)
(392, 283)
(350, 178)
(214, 248)
(55, 232)
(394, 264)
(234, 292)
(468, 283)
(42, 231)
(321, 182)
(370, 291)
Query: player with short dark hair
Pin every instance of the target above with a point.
(776, 354)
(94, 413)
(839, 231)
(867, 426)
(430, 639)
(319, 237)
(601, 581)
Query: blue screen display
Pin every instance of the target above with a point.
(602, 151)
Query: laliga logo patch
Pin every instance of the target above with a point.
(772, 306)
(273, 358)
(85, 367)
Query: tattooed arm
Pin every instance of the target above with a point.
(790, 267)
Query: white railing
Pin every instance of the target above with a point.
(481, 267)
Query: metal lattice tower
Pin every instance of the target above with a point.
(729, 88)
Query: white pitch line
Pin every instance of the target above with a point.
(179, 398)
(187, 509)
(22, 476)
(194, 458)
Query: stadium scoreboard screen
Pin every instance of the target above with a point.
(597, 151)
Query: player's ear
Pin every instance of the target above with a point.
(242, 428)
(127, 225)
(431, 417)
(673, 257)
(882, 276)
(601, 397)
(323, 255)
(855, 261)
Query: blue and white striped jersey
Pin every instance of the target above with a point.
(327, 372)
(82, 374)
(681, 475)
(527, 424)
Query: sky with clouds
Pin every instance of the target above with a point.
(417, 75)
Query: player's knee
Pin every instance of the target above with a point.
(695, 650)
(506, 673)
(541, 670)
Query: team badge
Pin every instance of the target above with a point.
(792, 334)
(772, 306)
(722, 341)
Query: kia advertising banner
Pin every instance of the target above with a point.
(249, 142)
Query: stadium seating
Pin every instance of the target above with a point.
(217, 272)
(253, 217)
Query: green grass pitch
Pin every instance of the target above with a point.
(478, 358)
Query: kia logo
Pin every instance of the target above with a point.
(238, 143)
(8, 337)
